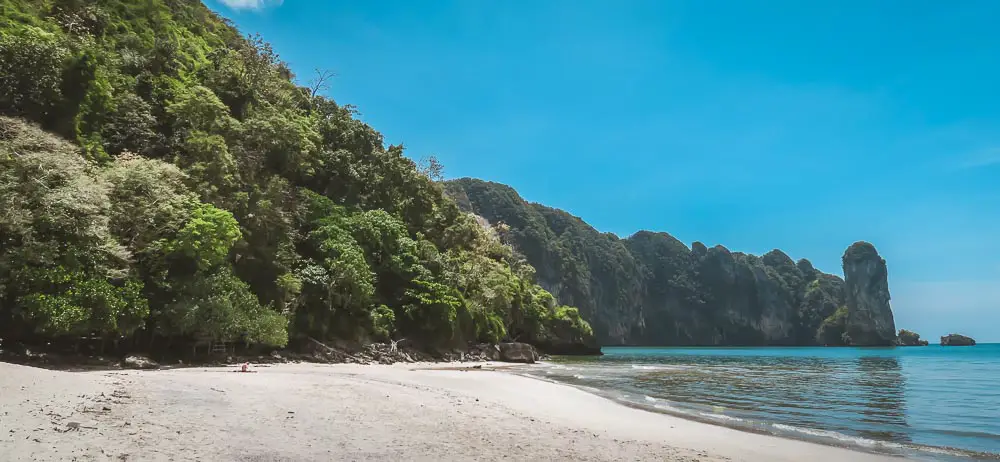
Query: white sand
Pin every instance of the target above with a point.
(305, 412)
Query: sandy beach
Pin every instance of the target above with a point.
(308, 412)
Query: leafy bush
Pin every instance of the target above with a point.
(31, 73)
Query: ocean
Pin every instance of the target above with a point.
(933, 402)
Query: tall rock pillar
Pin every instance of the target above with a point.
(869, 318)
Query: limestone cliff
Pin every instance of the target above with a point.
(652, 289)
(869, 318)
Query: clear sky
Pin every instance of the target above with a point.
(799, 125)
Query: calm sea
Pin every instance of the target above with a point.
(934, 402)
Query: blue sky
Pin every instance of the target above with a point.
(803, 126)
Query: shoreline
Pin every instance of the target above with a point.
(895, 451)
(299, 412)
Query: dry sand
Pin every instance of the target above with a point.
(307, 412)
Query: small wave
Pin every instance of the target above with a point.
(650, 399)
(664, 407)
(579, 376)
(855, 440)
(967, 433)
(645, 367)
(724, 417)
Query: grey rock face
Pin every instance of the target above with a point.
(957, 340)
(518, 353)
(652, 289)
(869, 317)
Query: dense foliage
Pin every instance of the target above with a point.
(163, 179)
(652, 289)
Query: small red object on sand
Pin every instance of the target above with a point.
(245, 367)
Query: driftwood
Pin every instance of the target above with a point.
(76, 426)
(336, 350)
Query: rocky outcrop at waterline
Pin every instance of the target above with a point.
(515, 352)
(957, 340)
(869, 318)
(909, 338)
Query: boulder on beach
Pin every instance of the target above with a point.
(486, 351)
(957, 340)
(139, 362)
(518, 353)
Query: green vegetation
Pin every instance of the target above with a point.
(833, 330)
(651, 288)
(163, 179)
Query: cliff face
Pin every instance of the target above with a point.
(869, 318)
(652, 289)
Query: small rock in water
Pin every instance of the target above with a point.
(957, 340)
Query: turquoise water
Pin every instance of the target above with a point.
(933, 402)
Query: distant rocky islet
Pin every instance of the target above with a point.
(957, 340)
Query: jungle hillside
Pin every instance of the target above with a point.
(165, 179)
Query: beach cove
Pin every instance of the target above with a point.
(304, 412)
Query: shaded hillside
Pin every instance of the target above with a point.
(652, 289)
(164, 180)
